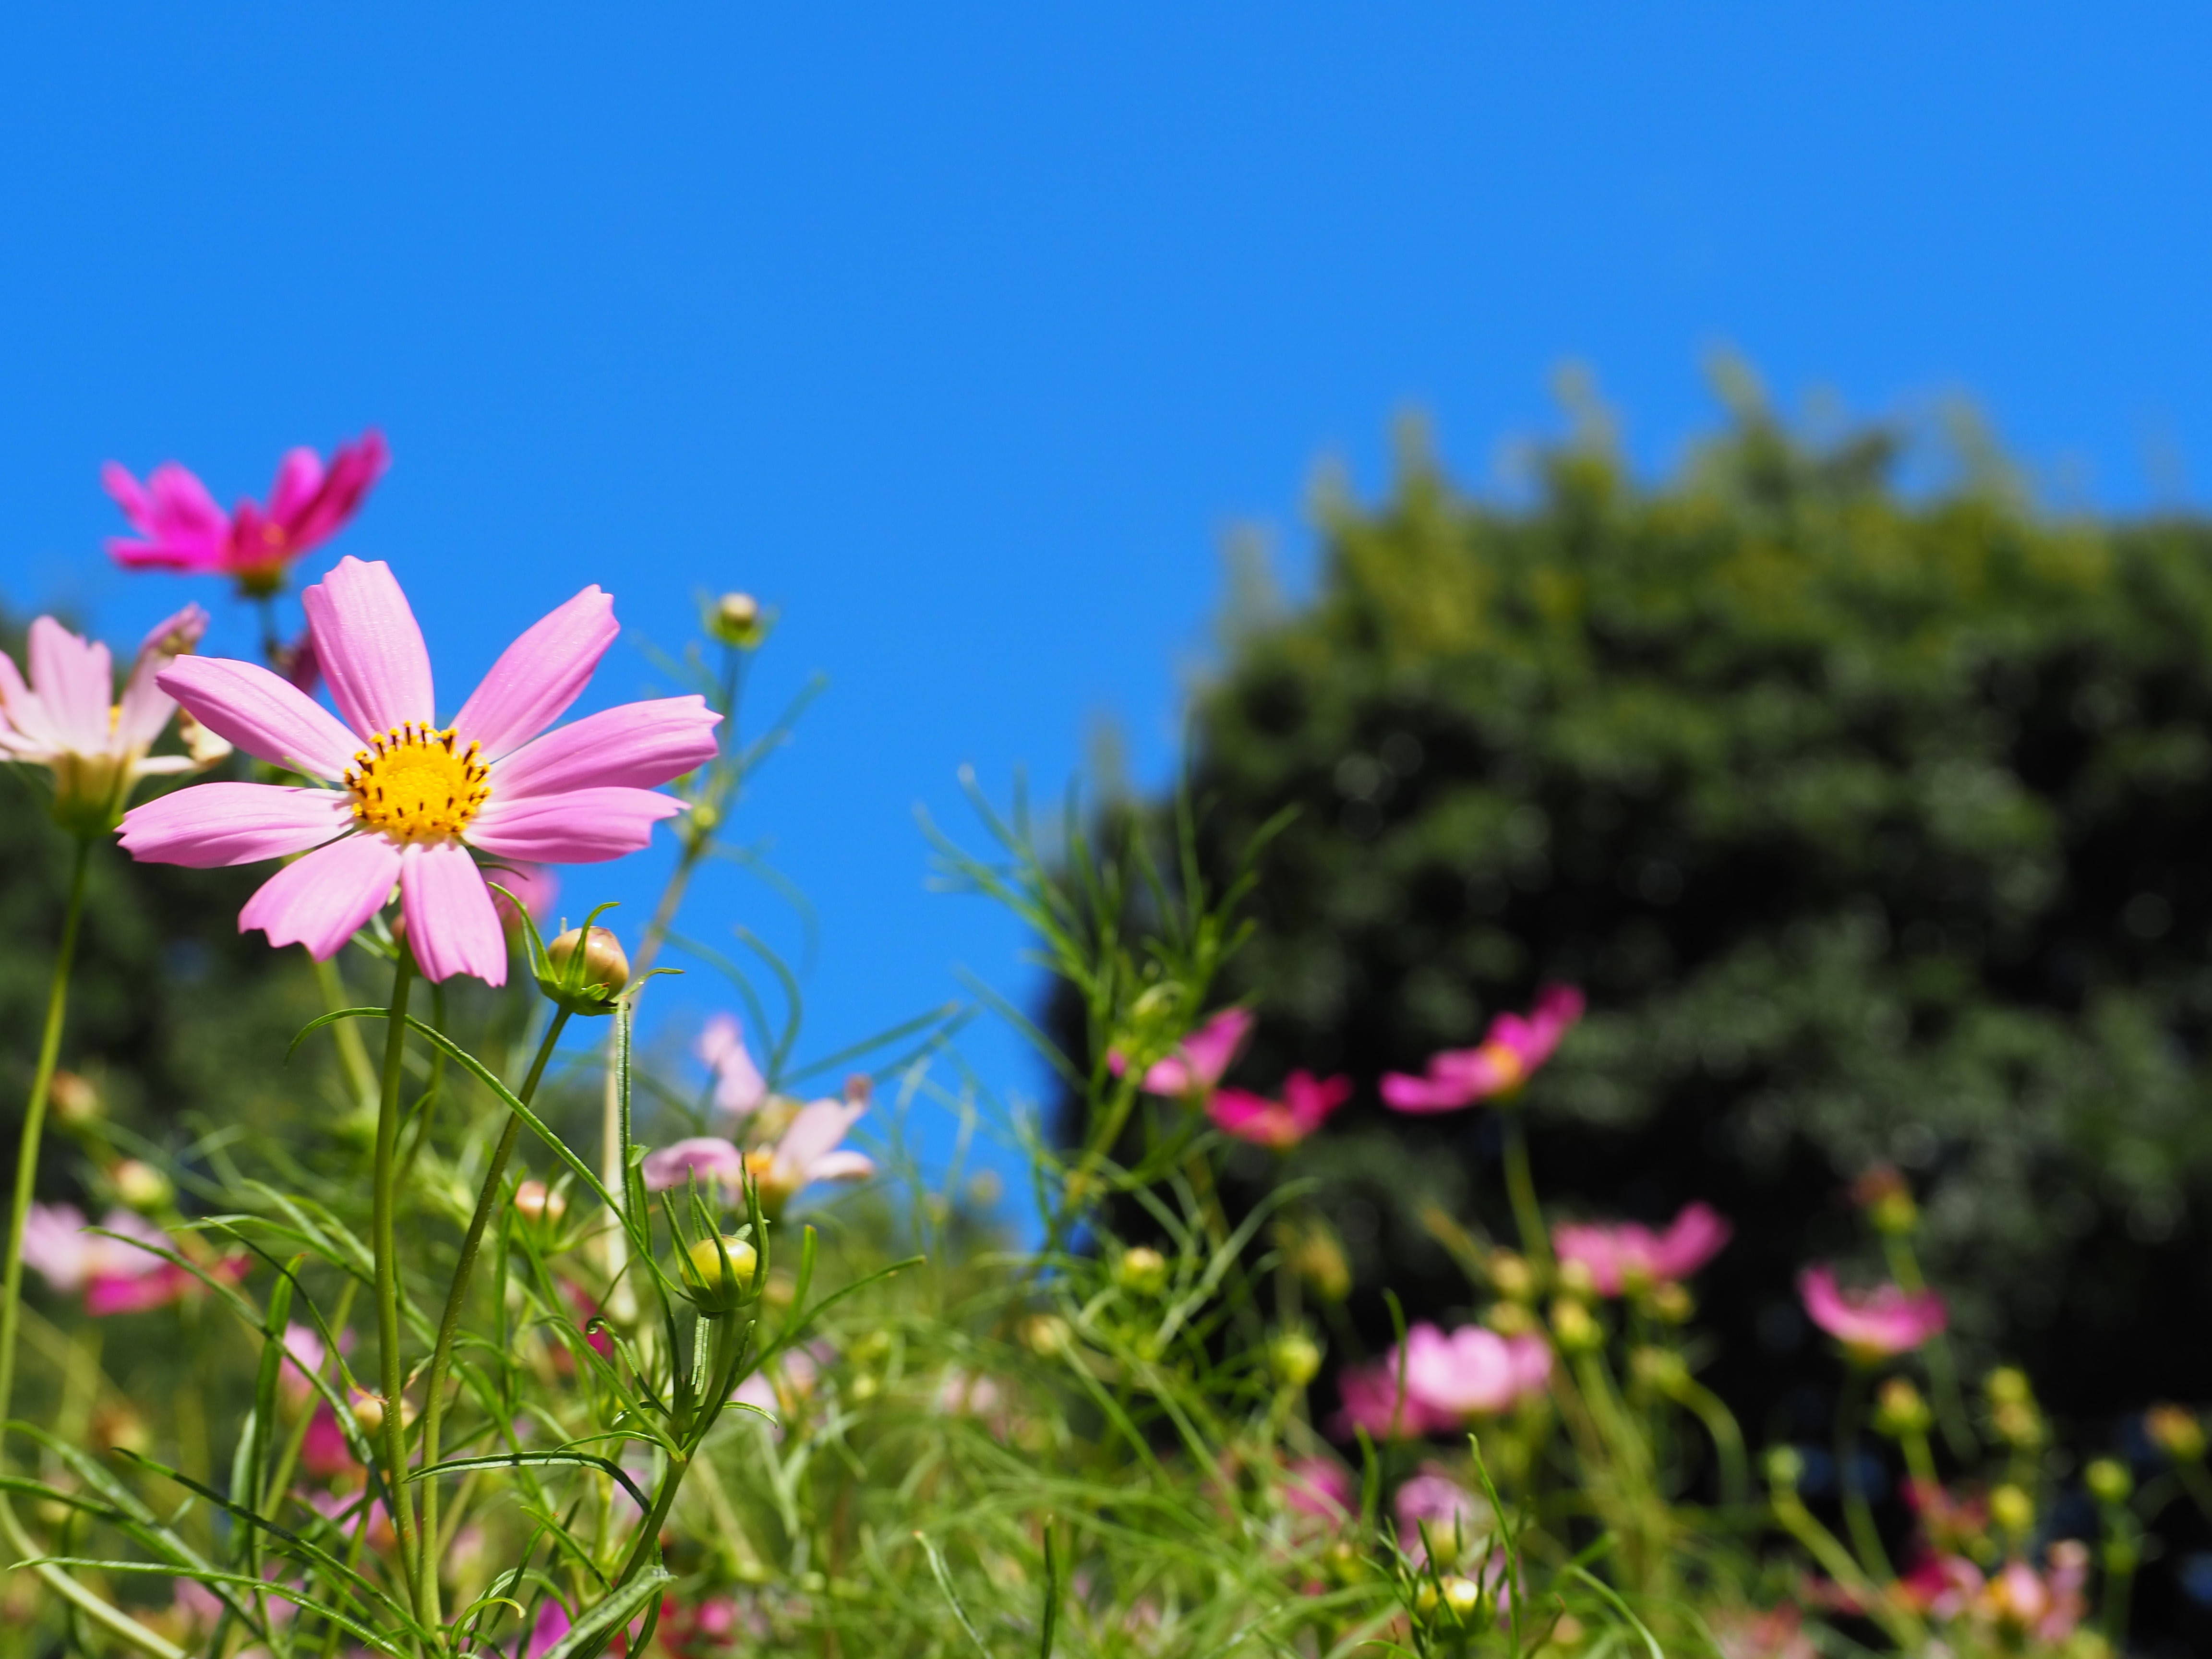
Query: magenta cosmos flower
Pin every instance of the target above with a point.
(1514, 1047)
(1473, 1372)
(1624, 1256)
(184, 530)
(1200, 1060)
(1872, 1324)
(413, 797)
(118, 1275)
(1306, 1104)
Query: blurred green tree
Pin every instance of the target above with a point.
(1872, 822)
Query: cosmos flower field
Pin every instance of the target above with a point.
(534, 1339)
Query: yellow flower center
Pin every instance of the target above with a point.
(415, 784)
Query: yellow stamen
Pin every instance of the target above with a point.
(415, 784)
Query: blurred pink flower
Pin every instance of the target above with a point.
(1474, 1371)
(1871, 1324)
(1778, 1633)
(1623, 1255)
(1200, 1060)
(417, 797)
(323, 1453)
(739, 1089)
(69, 719)
(811, 1150)
(184, 530)
(1321, 1487)
(1306, 1104)
(1373, 1401)
(533, 883)
(116, 1275)
(1433, 1498)
(1512, 1050)
(304, 1354)
(714, 1160)
(552, 1624)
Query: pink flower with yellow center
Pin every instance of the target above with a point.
(1874, 1324)
(184, 530)
(1306, 1105)
(1509, 1052)
(406, 800)
(1198, 1060)
(1624, 1256)
(69, 719)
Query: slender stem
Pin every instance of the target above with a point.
(1866, 1539)
(488, 1200)
(1521, 1188)
(353, 1054)
(386, 1244)
(1728, 1441)
(110, 1618)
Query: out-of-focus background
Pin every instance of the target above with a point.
(1698, 502)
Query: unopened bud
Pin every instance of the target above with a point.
(139, 1186)
(1295, 1358)
(1786, 1467)
(1661, 1367)
(2109, 1481)
(1511, 1276)
(117, 1427)
(1671, 1303)
(2176, 1432)
(1510, 1318)
(1887, 1198)
(2012, 1509)
(1576, 1280)
(74, 1101)
(536, 1203)
(2008, 1386)
(1577, 1331)
(736, 620)
(1899, 1411)
(587, 971)
(368, 1410)
(1142, 1271)
(1047, 1335)
(1313, 1253)
(719, 1272)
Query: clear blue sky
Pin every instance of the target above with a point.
(962, 335)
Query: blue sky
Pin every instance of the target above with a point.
(962, 335)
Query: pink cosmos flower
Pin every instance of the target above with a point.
(1433, 1500)
(413, 797)
(532, 884)
(1372, 1401)
(811, 1150)
(1474, 1371)
(1514, 1048)
(1321, 1487)
(1200, 1060)
(739, 1089)
(184, 530)
(1778, 1633)
(1871, 1324)
(304, 1354)
(552, 1624)
(713, 1160)
(68, 718)
(1306, 1104)
(1624, 1255)
(117, 1275)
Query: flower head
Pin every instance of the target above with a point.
(1447, 1379)
(1871, 1324)
(412, 798)
(68, 720)
(811, 1150)
(1626, 1256)
(713, 1160)
(1513, 1049)
(184, 530)
(739, 1089)
(1321, 1487)
(1306, 1104)
(1200, 1060)
(117, 1275)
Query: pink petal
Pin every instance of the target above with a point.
(1401, 1093)
(354, 469)
(369, 647)
(213, 825)
(20, 708)
(299, 475)
(537, 677)
(453, 926)
(182, 512)
(587, 826)
(844, 1165)
(818, 1127)
(75, 681)
(638, 745)
(145, 708)
(709, 1157)
(261, 713)
(130, 494)
(322, 900)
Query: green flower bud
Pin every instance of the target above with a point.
(737, 620)
(139, 1186)
(1295, 1358)
(2109, 1481)
(587, 971)
(1142, 1271)
(719, 1272)
(2012, 1509)
(1899, 1411)
(1786, 1467)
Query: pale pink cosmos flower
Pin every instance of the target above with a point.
(1513, 1049)
(1623, 1255)
(1474, 1371)
(414, 798)
(714, 1160)
(1306, 1105)
(69, 719)
(1200, 1060)
(117, 1275)
(184, 530)
(811, 1150)
(1433, 1505)
(739, 1089)
(1320, 1487)
(1872, 1324)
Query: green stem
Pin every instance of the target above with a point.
(353, 1054)
(386, 1244)
(1951, 1412)
(1521, 1188)
(1728, 1441)
(1865, 1538)
(110, 1618)
(488, 1200)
